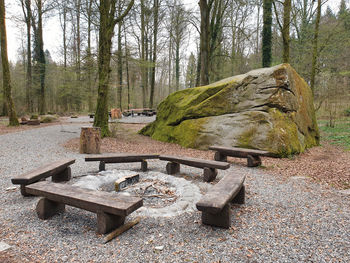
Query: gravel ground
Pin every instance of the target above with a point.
(283, 220)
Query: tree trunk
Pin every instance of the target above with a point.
(90, 140)
(204, 42)
(6, 69)
(41, 59)
(143, 59)
(27, 12)
(120, 64)
(267, 34)
(108, 21)
(315, 46)
(287, 6)
(127, 67)
(89, 57)
(154, 59)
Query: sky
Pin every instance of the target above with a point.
(16, 33)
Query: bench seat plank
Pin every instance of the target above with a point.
(199, 163)
(90, 200)
(43, 172)
(220, 194)
(120, 158)
(240, 152)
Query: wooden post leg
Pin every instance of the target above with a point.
(102, 166)
(220, 157)
(209, 174)
(47, 208)
(63, 176)
(172, 168)
(144, 166)
(222, 219)
(23, 190)
(240, 197)
(253, 161)
(108, 222)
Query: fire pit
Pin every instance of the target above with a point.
(163, 195)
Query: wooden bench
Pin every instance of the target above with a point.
(253, 156)
(209, 167)
(60, 171)
(215, 205)
(111, 209)
(121, 158)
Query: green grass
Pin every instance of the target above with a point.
(339, 135)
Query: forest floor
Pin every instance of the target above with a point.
(327, 163)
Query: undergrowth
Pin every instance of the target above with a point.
(339, 135)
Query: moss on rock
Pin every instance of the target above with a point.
(273, 108)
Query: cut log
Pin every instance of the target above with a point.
(121, 230)
(90, 140)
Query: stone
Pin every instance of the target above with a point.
(4, 246)
(268, 109)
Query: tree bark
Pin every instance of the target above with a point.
(204, 42)
(13, 120)
(287, 6)
(120, 64)
(315, 46)
(154, 58)
(143, 57)
(108, 21)
(267, 33)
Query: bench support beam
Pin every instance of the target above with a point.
(222, 219)
(108, 222)
(220, 157)
(144, 166)
(102, 166)
(240, 197)
(47, 208)
(172, 168)
(65, 175)
(209, 174)
(253, 161)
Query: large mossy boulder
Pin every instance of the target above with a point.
(269, 109)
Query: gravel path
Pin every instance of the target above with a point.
(283, 220)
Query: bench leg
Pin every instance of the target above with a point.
(23, 190)
(253, 161)
(66, 175)
(102, 166)
(209, 174)
(240, 197)
(172, 168)
(222, 219)
(220, 157)
(108, 222)
(47, 208)
(144, 166)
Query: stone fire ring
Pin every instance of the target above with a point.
(188, 194)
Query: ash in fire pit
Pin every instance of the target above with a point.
(163, 195)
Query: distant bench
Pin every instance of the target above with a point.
(215, 205)
(60, 171)
(121, 158)
(253, 156)
(209, 167)
(111, 209)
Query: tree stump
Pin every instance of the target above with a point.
(90, 140)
